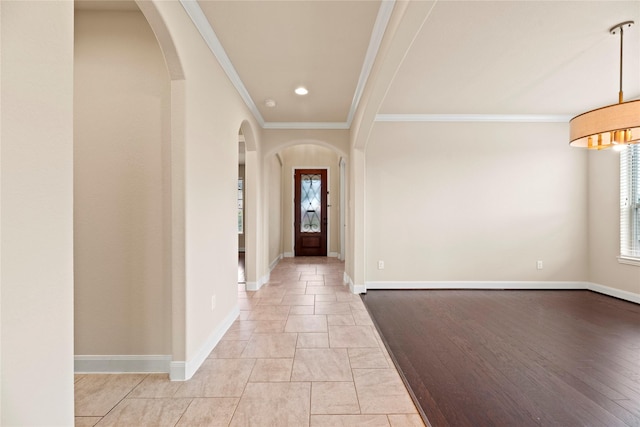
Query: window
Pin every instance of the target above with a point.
(240, 206)
(630, 203)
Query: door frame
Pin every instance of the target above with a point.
(293, 206)
(342, 219)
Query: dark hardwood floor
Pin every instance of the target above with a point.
(515, 358)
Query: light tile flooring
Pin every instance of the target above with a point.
(303, 352)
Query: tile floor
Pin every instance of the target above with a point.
(303, 352)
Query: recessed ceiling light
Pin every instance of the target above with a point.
(301, 90)
(270, 103)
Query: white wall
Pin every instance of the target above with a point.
(36, 151)
(310, 156)
(604, 225)
(122, 101)
(475, 202)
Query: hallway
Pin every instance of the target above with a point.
(303, 352)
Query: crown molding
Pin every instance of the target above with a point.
(211, 39)
(206, 31)
(306, 125)
(380, 26)
(496, 118)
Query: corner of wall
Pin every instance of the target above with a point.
(184, 370)
(355, 289)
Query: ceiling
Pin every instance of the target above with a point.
(518, 57)
(468, 58)
(276, 46)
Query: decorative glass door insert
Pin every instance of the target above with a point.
(310, 203)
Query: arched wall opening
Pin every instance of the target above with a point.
(304, 153)
(122, 192)
(253, 210)
(204, 171)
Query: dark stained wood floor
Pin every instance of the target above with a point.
(515, 358)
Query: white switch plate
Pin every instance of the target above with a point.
(213, 302)
(539, 265)
(380, 265)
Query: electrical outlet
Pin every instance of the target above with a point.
(380, 265)
(539, 265)
(213, 302)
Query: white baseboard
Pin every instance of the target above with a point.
(613, 292)
(254, 286)
(275, 262)
(356, 289)
(182, 371)
(178, 371)
(116, 364)
(477, 285)
(292, 255)
(558, 285)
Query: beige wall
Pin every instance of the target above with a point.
(275, 140)
(36, 152)
(304, 157)
(475, 202)
(208, 141)
(274, 179)
(176, 164)
(122, 97)
(604, 225)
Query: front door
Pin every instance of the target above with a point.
(310, 212)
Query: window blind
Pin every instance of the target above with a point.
(630, 202)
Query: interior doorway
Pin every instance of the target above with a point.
(310, 207)
(241, 208)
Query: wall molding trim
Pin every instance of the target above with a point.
(275, 262)
(355, 289)
(115, 364)
(460, 118)
(184, 370)
(477, 285)
(254, 286)
(629, 260)
(510, 285)
(208, 34)
(616, 293)
(306, 125)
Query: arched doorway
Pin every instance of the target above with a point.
(300, 155)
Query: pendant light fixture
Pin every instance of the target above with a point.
(617, 124)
